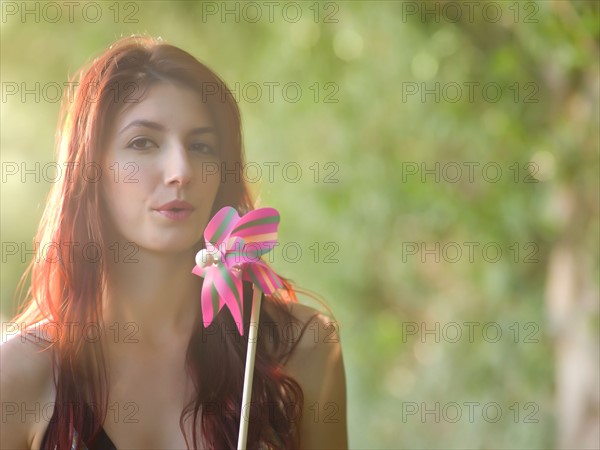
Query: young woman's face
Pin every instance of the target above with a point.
(161, 170)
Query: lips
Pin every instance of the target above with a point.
(176, 210)
(176, 206)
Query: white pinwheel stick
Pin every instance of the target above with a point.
(249, 370)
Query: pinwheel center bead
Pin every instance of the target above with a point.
(205, 257)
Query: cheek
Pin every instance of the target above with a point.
(214, 182)
(123, 193)
(114, 201)
(207, 178)
(211, 187)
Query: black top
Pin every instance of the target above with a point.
(102, 441)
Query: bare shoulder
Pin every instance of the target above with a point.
(318, 346)
(26, 366)
(318, 367)
(312, 331)
(321, 331)
(26, 384)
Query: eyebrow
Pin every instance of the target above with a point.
(159, 127)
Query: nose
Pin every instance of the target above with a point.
(177, 166)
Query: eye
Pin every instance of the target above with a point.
(137, 144)
(203, 148)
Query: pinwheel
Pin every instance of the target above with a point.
(234, 246)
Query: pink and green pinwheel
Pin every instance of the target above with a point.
(234, 246)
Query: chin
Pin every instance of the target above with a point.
(173, 247)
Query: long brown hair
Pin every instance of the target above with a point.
(66, 286)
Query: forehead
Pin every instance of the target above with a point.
(175, 107)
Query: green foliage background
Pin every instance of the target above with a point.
(373, 134)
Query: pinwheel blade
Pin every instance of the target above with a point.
(258, 229)
(220, 226)
(229, 288)
(210, 299)
(263, 276)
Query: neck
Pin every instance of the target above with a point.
(155, 301)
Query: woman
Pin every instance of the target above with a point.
(114, 353)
